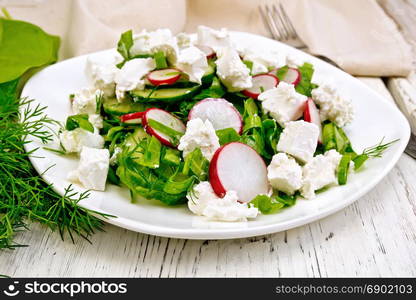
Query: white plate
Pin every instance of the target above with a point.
(375, 118)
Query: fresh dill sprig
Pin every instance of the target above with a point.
(24, 195)
(378, 149)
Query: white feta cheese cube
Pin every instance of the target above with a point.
(131, 75)
(92, 169)
(73, 141)
(284, 174)
(192, 62)
(264, 59)
(232, 72)
(199, 134)
(85, 101)
(204, 202)
(216, 39)
(283, 103)
(299, 139)
(319, 172)
(154, 41)
(332, 106)
(102, 74)
(96, 120)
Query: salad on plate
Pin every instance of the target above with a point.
(197, 120)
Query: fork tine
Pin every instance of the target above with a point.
(291, 29)
(265, 11)
(279, 16)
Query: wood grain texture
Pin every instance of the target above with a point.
(375, 236)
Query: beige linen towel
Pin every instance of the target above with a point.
(356, 34)
(90, 25)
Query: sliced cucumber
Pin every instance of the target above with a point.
(115, 108)
(164, 94)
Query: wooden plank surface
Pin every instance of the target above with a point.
(375, 236)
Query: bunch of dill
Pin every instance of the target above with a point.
(24, 196)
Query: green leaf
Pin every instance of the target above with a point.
(160, 60)
(227, 135)
(249, 65)
(305, 86)
(216, 90)
(267, 205)
(24, 46)
(271, 131)
(79, 121)
(171, 157)
(196, 164)
(281, 72)
(250, 116)
(125, 43)
(151, 155)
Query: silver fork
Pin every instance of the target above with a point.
(282, 30)
(279, 25)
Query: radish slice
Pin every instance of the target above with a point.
(133, 118)
(238, 167)
(164, 76)
(311, 115)
(209, 52)
(221, 113)
(261, 83)
(164, 118)
(292, 76)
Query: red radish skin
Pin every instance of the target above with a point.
(266, 81)
(236, 166)
(311, 115)
(166, 119)
(209, 52)
(221, 113)
(164, 76)
(133, 118)
(292, 76)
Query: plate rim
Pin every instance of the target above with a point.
(235, 233)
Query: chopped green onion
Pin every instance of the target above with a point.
(172, 133)
(160, 60)
(343, 169)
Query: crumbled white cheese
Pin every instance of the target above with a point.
(193, 62)
(113, 158)
(299, 139)
(96, 120)
(74, 140)
(284, 174)
(293, 61)
(131, 75)
(85, 101)
(216, 39)
(102, 74)
(155, 41)
(264, 59)
(184, 40)
(332, 106)
(232, 72)
(283, 103)
(204, 202)
(92, 169)
(199, 134)
(319, 172)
